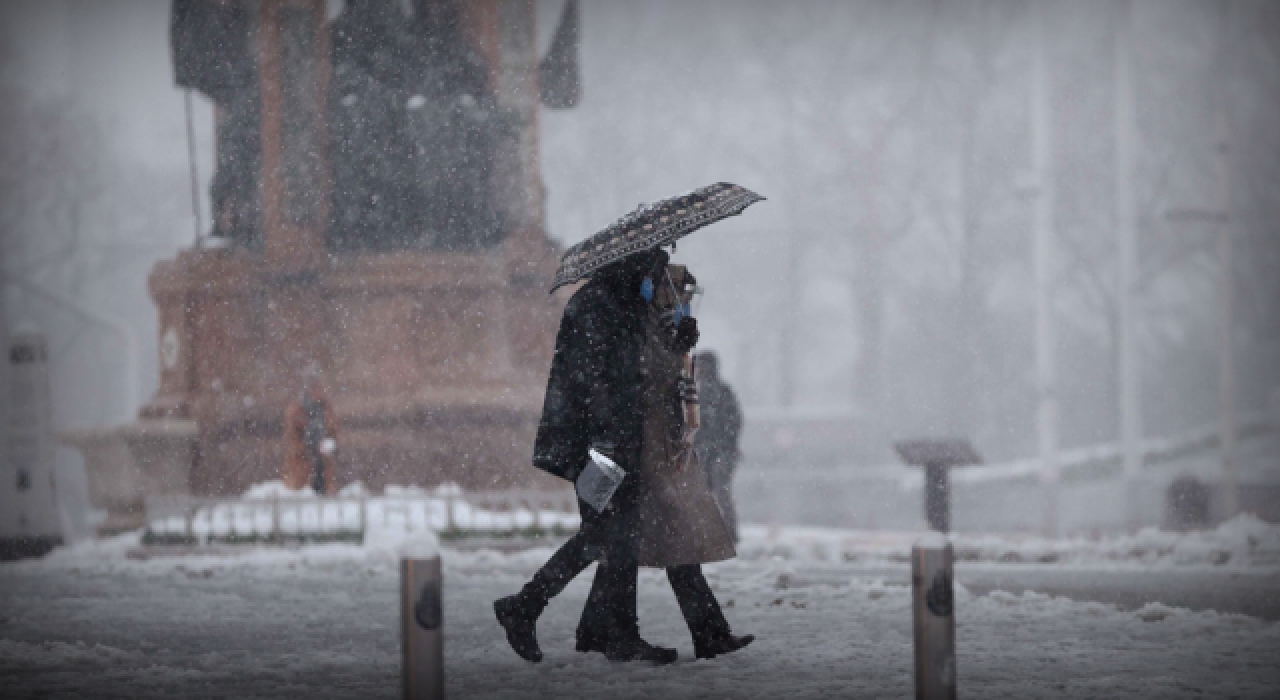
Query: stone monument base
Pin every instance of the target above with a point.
(434, 363)
(128, 464)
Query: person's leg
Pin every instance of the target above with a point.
(573, 557)
(317, 474)
(609, 621)
(707, 624)
(610, 610)
(518, 614)
(596, 626)
(697, 602)
(330, 476)
(612, 615)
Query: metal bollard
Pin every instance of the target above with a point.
(422, 623)
(933, 618)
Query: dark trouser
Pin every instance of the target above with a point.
(610, 611)
(317, 470)
(697, 602)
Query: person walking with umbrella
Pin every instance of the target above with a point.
(680, 525)
(594, 401)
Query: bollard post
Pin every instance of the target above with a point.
(422, 621)
(933, 618)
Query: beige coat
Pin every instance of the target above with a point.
(679, 521)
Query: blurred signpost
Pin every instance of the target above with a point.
(933, 618)
(937, 457)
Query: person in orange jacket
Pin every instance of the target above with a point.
(310, 434)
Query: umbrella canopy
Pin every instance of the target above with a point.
(653, 225)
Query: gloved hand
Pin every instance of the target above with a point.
(686, 334)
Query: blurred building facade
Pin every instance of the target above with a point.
(378, 220)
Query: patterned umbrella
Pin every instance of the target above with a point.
(653, 225)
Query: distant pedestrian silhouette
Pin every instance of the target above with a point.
(310, 434)
(717, 441)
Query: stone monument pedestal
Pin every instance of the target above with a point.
(435, 364)
(130, 463)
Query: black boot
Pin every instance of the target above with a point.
(636, 649)
(589, 643)
(709, 649)
(518, 614)
(520, 620)
(701, 610)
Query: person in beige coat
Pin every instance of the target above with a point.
(680, 525)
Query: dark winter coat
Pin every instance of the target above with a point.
(595, 383)
(594, 390)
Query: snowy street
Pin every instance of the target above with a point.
(112, 619)
(943, 336)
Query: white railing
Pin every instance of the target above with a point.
(350, 518)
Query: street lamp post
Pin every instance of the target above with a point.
(1221, 219)
(1043, 254)
(1126, 245)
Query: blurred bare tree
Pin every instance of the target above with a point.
(78, 227)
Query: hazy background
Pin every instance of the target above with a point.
(886, 283)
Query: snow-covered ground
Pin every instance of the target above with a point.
(112, 619)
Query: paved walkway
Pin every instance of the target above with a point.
(322, 622)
